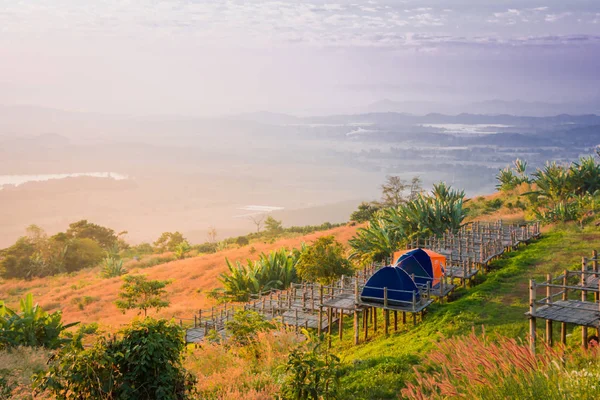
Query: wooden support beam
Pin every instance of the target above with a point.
(395, 320)
(374, 319)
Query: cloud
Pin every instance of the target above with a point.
(556, 17)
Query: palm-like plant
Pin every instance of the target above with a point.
(32, 326)
(112, 267)
(275, 270)
(426, 215)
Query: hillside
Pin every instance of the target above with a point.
(496, 304)
(85, 296)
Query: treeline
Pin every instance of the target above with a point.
(36, 254)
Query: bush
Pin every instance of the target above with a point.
(32, 326)
(143, 362)
(245, 326)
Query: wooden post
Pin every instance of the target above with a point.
(341, 324)
(366, 322)
(355, 326)
(386, 315)
(584, 330)
(549, 301)
(403, 317)
(563, 325)
(595, 268)
(374, 319)
(395, 321)
(532, 315)
(329, 320)
(320, 322)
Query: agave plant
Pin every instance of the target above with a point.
(112, 267)
(32, 326)
(275, 270)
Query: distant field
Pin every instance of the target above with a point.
(86, 297)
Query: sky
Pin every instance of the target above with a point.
(218, 57)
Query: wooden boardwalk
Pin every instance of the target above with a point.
(570, 298)
(468, 252)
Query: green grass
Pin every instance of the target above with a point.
(378, 369)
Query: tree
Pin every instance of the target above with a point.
(138, 292)
(272, 225)
(323, 261)
(258, 220)
(81, 253)
(242, 241)
(168, 241)
(83, 229)
(212, 234)
(365, 212)
(245, 325)
(416, 188)
(392, 191)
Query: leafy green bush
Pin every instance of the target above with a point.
(32, 326)
(365, 212)
(323, 261)
(143, 362)
(245, 325)
(312, 373)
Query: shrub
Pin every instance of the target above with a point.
(32, 326)
(365, 212)
(245, 325)
(312, 373)
(143, 362)
(323, 261)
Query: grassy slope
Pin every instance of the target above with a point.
(378, 368)
(192, 278)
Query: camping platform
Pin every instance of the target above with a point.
(442, 290)
(342, 301)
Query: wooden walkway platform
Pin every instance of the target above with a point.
(468, 251)
(572, 312)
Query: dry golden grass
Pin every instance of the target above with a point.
(229, 373)
(86, 297)
(18, 365)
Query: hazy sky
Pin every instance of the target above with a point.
(204, 57)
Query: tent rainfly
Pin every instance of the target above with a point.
(400, 287)
(424, 265)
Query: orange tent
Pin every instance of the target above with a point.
(438, 262)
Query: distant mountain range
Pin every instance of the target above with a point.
(490, 107)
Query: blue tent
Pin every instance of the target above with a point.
(399, 284)
(417, 262)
